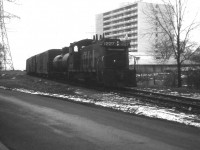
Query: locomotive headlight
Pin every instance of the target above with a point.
(114, 60)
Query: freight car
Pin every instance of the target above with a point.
(31, 65)
(104, 61)
(42, 64)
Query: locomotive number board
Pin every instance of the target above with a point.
(115, 43)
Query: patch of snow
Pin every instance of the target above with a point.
(174, 93)
(2, 87)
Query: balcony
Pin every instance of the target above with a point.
(122, 30)
(119, 18)
(122, 23)
(124, 34)
(120, 12)
(134, 43)
(133, 49)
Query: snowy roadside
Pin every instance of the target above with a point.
(129, 105)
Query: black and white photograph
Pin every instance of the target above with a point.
(99, 75)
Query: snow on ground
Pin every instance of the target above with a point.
(129, 105)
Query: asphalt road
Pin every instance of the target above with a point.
(31, 122)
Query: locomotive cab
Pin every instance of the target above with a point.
(116, 54)
(113, 64)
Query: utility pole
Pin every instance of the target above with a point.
(6, 62)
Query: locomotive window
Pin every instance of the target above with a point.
(75, 48)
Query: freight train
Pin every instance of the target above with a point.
(104, 61)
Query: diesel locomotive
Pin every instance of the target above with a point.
(104, 61)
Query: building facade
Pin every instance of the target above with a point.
(130, 23)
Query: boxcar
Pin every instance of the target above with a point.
(31, 65)
(44, 62)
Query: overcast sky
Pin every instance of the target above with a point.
(47, 24)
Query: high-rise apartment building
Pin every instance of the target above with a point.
(129, 22)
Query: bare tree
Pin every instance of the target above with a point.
(162, 50)
(196, 56)
(172, 36)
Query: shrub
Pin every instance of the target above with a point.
(170, 79)
(193, 79)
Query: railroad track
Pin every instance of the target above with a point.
(179, 102)
(171, 101)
